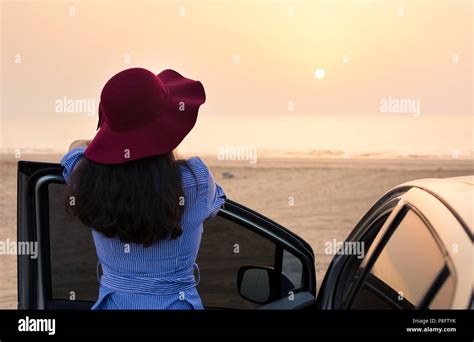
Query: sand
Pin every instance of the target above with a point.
(318, 199)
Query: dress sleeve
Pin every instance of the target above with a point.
(215, 197)
(70, 159)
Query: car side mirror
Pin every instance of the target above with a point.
(254, 283)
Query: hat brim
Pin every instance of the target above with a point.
(175, 120)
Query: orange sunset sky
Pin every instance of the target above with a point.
(257, 61)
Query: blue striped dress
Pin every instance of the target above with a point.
(164, 275)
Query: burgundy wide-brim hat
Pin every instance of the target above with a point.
(142, 114)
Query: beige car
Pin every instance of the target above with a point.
(419, 243)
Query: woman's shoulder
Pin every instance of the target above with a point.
(194, 172)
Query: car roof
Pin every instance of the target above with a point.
(457, 193)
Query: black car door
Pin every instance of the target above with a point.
(246, 261)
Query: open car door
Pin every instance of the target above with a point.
(246, 261)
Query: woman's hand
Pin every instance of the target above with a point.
(79, 143)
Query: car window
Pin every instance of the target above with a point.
(292, 268)
(227, 246)
(72, 253)
(405, 269)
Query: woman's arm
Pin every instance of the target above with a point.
(75, 154)
(79, 143)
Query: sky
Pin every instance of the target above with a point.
(394, 76)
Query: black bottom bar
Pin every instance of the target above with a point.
(416, 324)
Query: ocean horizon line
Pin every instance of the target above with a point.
(276, 153)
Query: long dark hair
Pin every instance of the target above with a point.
(141, 201)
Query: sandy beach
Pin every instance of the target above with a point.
(319, 199)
